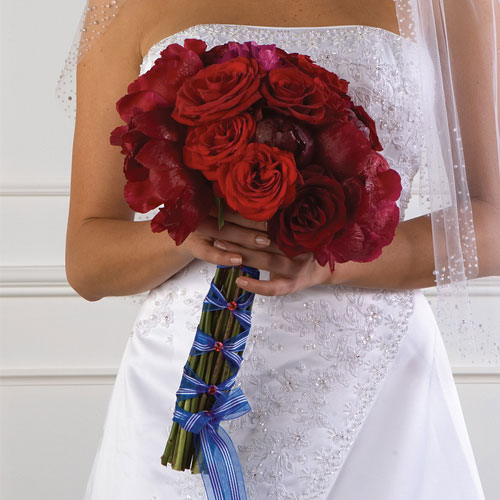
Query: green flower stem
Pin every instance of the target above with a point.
(185, 450)
(225, 318)
(169, 447)
(174, 446)
(198, 363)
(226, 371)
(211, 367)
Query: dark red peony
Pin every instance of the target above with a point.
(342, 146)
(372, 210)
(175, 64)
(287, 135)
(364, 121)
(265, 55)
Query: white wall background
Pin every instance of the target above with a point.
(59, 353)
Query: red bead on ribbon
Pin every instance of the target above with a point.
(212, 389)
(218, 346)
(232, 305)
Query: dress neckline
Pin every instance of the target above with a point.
(375, 29)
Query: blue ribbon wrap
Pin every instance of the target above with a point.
(230, 347)
(215, 452)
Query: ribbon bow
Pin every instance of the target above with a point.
(217, 457)
(192, 385)
(229, 347)
(215, 300)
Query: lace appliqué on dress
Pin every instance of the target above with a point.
(312, 368)
(305, 414)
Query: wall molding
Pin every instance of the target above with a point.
(106, 375)
(50, 281)
(58, 376)
(36, 187)
(34, 281)
(40, 281)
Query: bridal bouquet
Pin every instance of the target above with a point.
(277, 138)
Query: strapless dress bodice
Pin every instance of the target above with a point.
(379, 65)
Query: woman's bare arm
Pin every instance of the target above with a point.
(107, 252)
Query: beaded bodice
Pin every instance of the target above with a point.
(382, 78)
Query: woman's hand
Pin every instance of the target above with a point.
(237, 230)
(243, 241)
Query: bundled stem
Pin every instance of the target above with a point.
(211, 367)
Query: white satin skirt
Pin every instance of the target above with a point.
(351, 391)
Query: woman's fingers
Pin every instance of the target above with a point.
(203, 249)
(263, 259)
(272, 287)
(237, 234)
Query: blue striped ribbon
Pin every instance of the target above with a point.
(217, 457)
(192, 385)
(216, 301)
(230, 347)
(215, 452)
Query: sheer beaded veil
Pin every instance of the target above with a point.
(449, 40)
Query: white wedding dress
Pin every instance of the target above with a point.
(351, 389)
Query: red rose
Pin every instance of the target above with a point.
(210, 145)
(333, 88)
(262, 181)
(314, 217)
(310, 68)
(291, 92)
(218, 91)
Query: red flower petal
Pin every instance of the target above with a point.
(157, 154)
(159, 124)
(342, 147)
(141, 196)
(144, 100)
(115, 138)
(134, 171)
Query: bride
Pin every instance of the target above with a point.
(346, 373)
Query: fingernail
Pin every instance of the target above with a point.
(262, 240)
(241, 282)
(235, 260)
(220, 245)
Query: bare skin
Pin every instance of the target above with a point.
(108, 254)
(380, 13)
